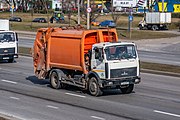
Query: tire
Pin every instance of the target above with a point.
(11, 60)
(165, 27)
(93, 87)
(128, 89)
(149, 27)
(55, 79)
(154, 27)
(140, 27)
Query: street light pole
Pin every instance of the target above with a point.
(78, 13)
(162, 5)
(88, 15)
(12, 8)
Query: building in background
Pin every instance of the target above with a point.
(169, 6)
(57, 5)
(3, 5)
(123, 5)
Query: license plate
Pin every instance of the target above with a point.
(125, 83)
(5, 58)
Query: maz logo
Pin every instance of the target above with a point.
(124, 73)
(5, 50)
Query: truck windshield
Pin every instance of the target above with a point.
(7, 37)
(120, 52)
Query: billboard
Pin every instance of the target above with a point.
(129, 3)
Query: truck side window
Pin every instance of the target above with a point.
(98, 54)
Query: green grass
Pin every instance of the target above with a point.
(27, 18)
(24, 51)
(26, 25)
(160, 67)
(143, 34)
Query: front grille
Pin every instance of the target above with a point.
(7, 50)
(125, 72)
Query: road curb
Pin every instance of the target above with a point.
(8, 117)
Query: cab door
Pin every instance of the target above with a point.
(97, 62)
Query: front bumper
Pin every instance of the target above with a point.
(103, 83)
(8, 56)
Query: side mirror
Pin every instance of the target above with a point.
(100, 59)
(96, 49)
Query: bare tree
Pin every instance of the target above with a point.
(115, 15)
(95, 11)
(7, 1)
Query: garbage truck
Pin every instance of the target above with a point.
(8, 42)
(93, 60)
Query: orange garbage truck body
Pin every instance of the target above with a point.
(60, 55)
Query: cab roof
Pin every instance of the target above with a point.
(113, 43)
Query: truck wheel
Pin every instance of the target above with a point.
(94, 87)
(154, 27)
(55, 79)
(140, 27)
(11, 60)
(128, 89)
(149, 27)
(165, 27)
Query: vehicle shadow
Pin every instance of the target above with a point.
(35, 80)
(46, 82)
(70, 88)
(111, 92)
(6, 62)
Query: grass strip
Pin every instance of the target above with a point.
(160, 67)
(24, 51)
(144, 34)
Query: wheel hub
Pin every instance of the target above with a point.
(93, 87)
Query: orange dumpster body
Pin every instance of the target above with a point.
(65, 49)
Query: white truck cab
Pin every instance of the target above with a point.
(116, 65)
(8, 42)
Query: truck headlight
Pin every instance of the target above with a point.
(137, 81)
(110, 83)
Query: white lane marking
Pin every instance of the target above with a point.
(75, 95)
(166, 113)
(54, 107)
(99, 118)
(15, 98)
(8, 81)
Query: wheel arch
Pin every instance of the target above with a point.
(59, 71)
(92, 74)
(89, 76)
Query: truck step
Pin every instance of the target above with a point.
(77, 84)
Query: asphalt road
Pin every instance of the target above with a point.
(157, 97)
(160, 57)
